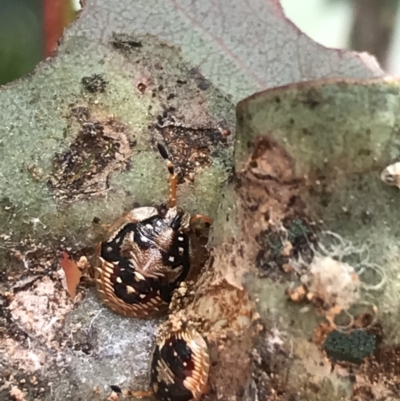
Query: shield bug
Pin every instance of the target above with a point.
(180, 365)
(145, 255)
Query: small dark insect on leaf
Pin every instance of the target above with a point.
(163, 151)
(116, 389)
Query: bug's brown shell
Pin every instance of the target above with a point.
(149, 300)
(141, 262)
(180, 365)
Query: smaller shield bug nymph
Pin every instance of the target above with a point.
(145, 256)
(180, 365)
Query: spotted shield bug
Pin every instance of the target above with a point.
(180, 365)
(145, 255)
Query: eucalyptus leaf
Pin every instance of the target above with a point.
(77, 141)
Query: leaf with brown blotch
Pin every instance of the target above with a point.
(72, 274)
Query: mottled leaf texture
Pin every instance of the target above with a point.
(78, 141)
(242, 46)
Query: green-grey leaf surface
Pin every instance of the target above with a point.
(239, 47)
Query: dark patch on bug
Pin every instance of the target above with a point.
(99, 148)
(94, 83)
(145, 234)
(180, 258)
(111, 250)
(175, 353)
(144, 289)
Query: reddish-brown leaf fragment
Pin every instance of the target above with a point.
(72, 274)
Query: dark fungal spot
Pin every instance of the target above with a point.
(101, 146)
(94, 83)
(352, 348)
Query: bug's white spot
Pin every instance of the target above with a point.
(175, 353)
(118, 240)
(184, 364)
(119, 280)
(180, 239)
(159, 223)
(171, 258)
(130, 290)
(180, 250)
(144, 239)
(139, 276)
(109, 249)
(142, 296)
(149, 226)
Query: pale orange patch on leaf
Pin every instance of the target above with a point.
(72, 274)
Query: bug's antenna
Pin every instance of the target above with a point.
(172, 175)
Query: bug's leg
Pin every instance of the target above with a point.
(172, 175)
(202, 217)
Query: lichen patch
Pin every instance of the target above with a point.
(40, 311)
(28, 359)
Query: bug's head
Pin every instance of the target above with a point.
(178, 218)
